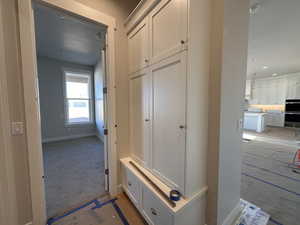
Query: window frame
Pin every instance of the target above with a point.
(79, 72)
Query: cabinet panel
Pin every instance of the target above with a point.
(140, 117)
(169, 112)
(168, 29)
(138, 47)
(132, 185)
(153, 209)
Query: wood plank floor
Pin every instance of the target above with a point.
(129, 210)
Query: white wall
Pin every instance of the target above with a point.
(99, 113)
(118, 9)
(16, 108)
(227, 88)
(50, 73)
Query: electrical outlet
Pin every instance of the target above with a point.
(17, 128)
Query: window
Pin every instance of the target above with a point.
(78, 98)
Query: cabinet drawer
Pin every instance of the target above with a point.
(132, 185)
(153, 209)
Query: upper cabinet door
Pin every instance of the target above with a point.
(168, 29)
(140, 117)
(138, 47)
(169, 120)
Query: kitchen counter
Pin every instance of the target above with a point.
(255, 121)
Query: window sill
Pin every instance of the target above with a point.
(85, 124)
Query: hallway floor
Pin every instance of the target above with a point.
(106, 215)
(268, 182)
(74, 173)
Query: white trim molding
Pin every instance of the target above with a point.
(8, 203)
(29, 73)
(233, 215)
(70, 137)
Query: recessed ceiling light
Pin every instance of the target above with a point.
(265, 67)
(274, 74)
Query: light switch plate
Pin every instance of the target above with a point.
(240, 124)
(17, 128)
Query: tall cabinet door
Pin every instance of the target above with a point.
(140, 117)
(138, 46)
(169, 120)
(168, 29)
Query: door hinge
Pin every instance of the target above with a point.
(105, 90)
(106, 171)
(105, 131)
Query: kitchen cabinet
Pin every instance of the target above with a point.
(293, 87)
(254, 121)
(275, 119)
(269, 91)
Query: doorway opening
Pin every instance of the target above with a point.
(271, 157)
(71, 79)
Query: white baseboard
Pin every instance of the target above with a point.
(233, 215)
(47, 140)
(100, 137)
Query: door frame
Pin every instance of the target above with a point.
(8, 203)
(31, 99)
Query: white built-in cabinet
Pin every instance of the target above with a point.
(163, 98)
(168, 29)
(138, 47)
(158, 91)
(169, 119)
(158, 118)
(140, 116)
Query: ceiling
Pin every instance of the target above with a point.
(274, 38)
(66, 37)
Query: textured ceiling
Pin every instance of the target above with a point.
(274, 38)
(69, 38)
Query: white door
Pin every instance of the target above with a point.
(138, 47)
(169, 119)
(140, 117)
(168, 29)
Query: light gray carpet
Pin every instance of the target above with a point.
(268, 182)
(74, 173)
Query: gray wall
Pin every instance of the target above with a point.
(50, 73)
(99, 113)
